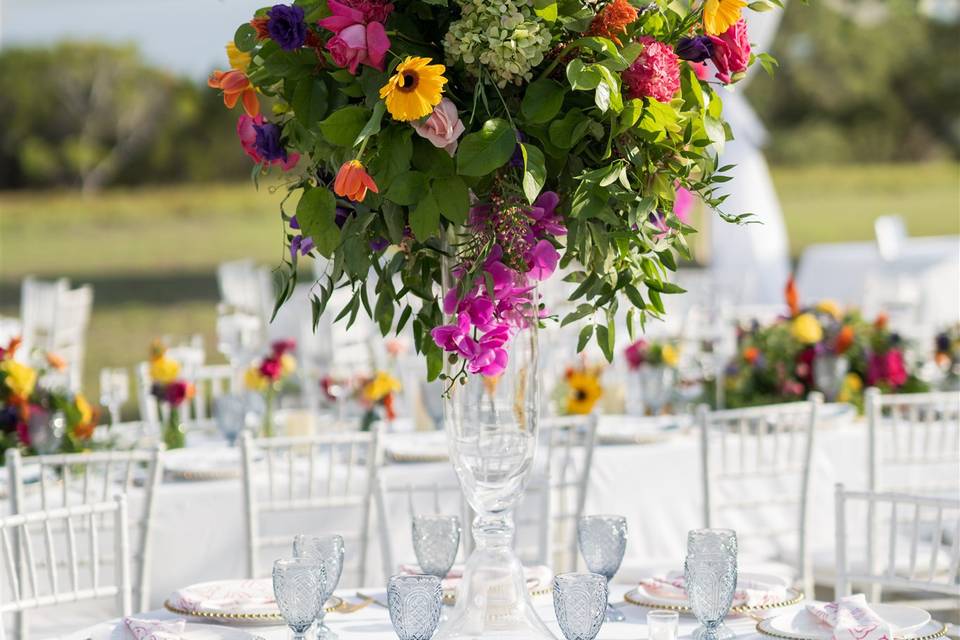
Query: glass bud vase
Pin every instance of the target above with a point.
(173, 433)
(491, 425)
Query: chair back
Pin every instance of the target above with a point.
(34, 545)
(398, 503)
(914, 442)
(913, 545)
(326, 480)
(756, 478)
(68, 480)
(114, 391)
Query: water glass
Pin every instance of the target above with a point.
(580, 601)
(297, 585)
(602, 541)
(328, 551)
(711, 579)
(415, 603)
(436, 539)
(662, 625)
(229, 413)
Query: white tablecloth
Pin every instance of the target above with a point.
(373, 623)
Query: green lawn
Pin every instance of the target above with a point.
(151, 253)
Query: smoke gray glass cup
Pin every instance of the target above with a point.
(415, 603)
(436, 539)
(603, 541)
(580, 602)
(710, 574)
(328, 551)
(298, 584)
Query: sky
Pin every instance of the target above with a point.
(185, 36)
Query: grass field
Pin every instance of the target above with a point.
(151, 254)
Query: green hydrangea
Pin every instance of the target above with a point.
(504, 37)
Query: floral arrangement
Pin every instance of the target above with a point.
(581, 389)
(643, 352)
(819, 348)
(490, 142)
(171, 390)
(376, 396)
(38, 417)
(947, 356)
(267, 377)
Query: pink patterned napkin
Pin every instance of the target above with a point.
(143, 629)
(234, 596)
(537, 576)
(750, 592)
(852, 619)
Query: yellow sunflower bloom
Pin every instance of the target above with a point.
(720, 15)
(20, 378)
(414, 90)
(670, 355)
(585, 390)
(164, 369)
(806, 329)
(239, 60)
(382, 385)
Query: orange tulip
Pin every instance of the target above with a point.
(353, 181)
(56, 361)
(236, 86)
(844, 339)
(793, 299)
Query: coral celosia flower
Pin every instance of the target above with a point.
(613, 20)
(655, 73)
(353, 181)
(720, 15)
(236, 86)
(414, 89)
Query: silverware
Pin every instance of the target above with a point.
(371, 600)
(347, 607)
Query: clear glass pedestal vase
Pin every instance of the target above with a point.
(491, 425)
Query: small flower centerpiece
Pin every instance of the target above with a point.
(377, 396)
(946, 356)
(652, 375)
(268, 376)
(581, 389)
(171, 391)
(491, 143)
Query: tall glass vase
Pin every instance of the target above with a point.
(491, 425)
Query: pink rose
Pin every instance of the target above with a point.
(731, 51)
(248, 140)
(443, 127)
(356, 41)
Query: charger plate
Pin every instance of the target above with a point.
(228, 618)
(640, 598)
(909, 623)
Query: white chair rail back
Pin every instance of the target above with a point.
(309, 484)
(756, 478)
(67, 480)
(913, 545)
(34, 545)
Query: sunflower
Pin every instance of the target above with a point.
(414, 90)
(720, 15)
(584, 392)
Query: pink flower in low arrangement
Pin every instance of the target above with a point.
(357, 39)
(636, 354)
(271, 368)
(443, 127)
(655, 73)
(731, 52)
(887, 368)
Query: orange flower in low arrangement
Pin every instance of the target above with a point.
(844, 340)
(236, 86)
(612, 21)
(792, 297)
(353, 181)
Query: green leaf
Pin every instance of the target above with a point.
(604, 46)
(542, 101)
(430, 159)
(636, 299)
(611, 97)
(664, 287)
(434, 361)
(486, 150)
(425, 218)
(316, 213)
(546, 10)
(568, 131)
(453, 197)
(290, 64)
(408, 188)
(245, 37)
(372, 127)
(310, 100)
(583, 77)
(582, 311)
(534, 171)
(344, 125)
(383, 312)
(585, 334)
(604, 341)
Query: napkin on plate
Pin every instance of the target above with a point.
(750, 592)
(538, 577)
(234, 596)
(143, 629)
(852, 619)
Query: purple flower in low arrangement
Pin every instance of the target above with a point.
(517, 159)
(300, 244)
(378, 244)
(695, 49)
(341, 216)
(286, 26)
(268, 143)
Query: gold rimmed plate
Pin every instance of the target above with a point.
(225, 617)
(642, 599)
(801, 625)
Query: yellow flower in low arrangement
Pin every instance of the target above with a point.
(830, 308)
(382, 385)
(19, 378)
(414, 89)
(288, 364)
(720, 15)
(239, 60)
(253, 380)
(806, 329)
(164, 369)
(851, 388)
(584, 390)
(83, 408)
(670, 355)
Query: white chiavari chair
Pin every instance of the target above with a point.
(416, 499)
(914, 442)
(247, 288)
(68, 335)
(38, 302)
(67, 480)
(901, 564)
(756, 478)
(34, 546)
(324, 480)
(114, 391)
(566, 446)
